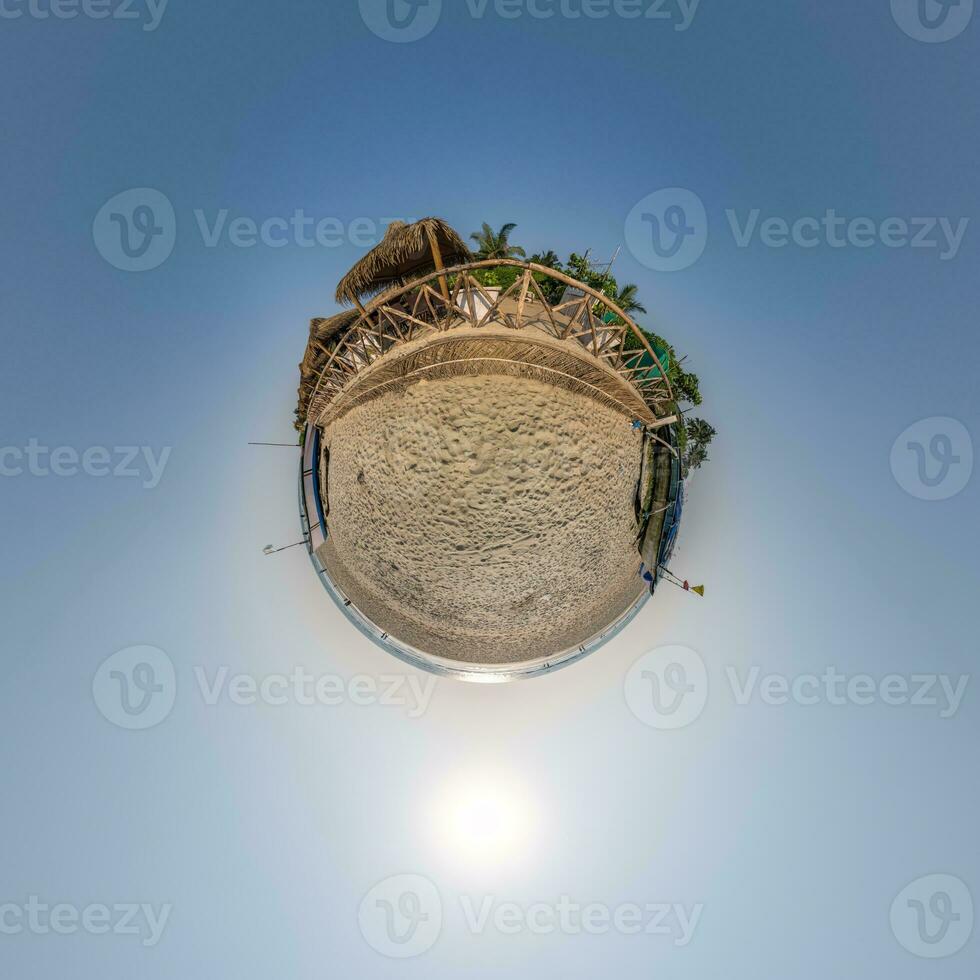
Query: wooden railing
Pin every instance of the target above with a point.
(410, 312)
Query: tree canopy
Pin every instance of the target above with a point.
(495, 244)
(694, 435)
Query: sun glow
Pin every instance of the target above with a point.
(484, 819)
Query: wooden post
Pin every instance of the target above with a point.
(440, 265)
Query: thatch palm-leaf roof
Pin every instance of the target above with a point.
(325, 334)
(324, 329)
(407, 251)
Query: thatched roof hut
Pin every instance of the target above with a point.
(325, 334)
(325, 330)
(407, 252)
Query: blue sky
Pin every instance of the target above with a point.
(794, 826)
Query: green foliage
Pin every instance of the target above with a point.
(699, 436)
(549, 259)
(687, 385)
(580, 268)
(502, 276)
(626, 299)
(694, 435)
(496, 244)
(695, 457)
(681, 432)
(700, 431)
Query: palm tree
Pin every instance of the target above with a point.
(548, 259)
(495, 244)
(626, 299)
(700, 432)
(696, 457)
(699, 436)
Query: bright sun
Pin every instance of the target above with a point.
(484, 819)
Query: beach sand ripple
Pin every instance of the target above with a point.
(484, 519)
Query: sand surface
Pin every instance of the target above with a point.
(484, 519)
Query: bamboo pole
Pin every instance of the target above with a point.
(464, 269)
(440, 265)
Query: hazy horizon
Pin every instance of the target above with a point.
(824, 290)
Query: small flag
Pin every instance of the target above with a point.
(699, 589)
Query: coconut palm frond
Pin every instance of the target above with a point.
(496, 244)
(627, 301)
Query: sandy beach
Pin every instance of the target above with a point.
(484, 518)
